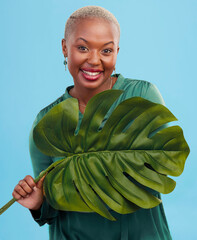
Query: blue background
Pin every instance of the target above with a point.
(158, 44)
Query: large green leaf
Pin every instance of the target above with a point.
(111, 163)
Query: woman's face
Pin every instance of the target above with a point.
(91, 50)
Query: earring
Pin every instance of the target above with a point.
(65, 63)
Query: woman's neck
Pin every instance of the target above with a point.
(84, 95)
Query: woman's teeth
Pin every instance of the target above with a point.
(91, 73)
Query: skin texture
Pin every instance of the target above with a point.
(92, 46)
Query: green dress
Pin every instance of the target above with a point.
(144, 224)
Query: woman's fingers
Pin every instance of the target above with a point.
(30, 181)
(24, 187)
(16, 195)
(19, 190)
(28, 193)
(40, 182)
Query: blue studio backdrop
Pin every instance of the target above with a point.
(158, 44)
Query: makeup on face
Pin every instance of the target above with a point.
(92, 50)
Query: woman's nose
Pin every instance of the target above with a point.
(94, 58)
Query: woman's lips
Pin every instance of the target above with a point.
(91, 75)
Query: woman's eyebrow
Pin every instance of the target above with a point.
(87, 41)
(109, 43)
(82, 39)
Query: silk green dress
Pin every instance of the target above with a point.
(144, 224)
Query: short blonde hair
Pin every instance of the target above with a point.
(89, 12)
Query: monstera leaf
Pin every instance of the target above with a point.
(111, 162)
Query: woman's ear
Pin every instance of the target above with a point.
(64, 48)
(118, 49)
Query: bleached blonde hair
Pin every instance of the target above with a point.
(89, 12)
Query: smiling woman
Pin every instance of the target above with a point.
(91, 46)
(91, 49)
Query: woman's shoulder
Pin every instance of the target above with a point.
(132, 85)
(46, 109)
(63, 97)
(139, 88)
(137, 83)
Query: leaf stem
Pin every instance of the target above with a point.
(13, 200)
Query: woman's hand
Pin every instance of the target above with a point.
(28, 193)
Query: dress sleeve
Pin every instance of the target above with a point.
(39, 163)
(152, 94)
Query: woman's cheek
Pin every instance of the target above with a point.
(110, 63)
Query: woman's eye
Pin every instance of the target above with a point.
(82, 48)
(107, 51)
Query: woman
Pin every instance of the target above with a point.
(90, 47)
